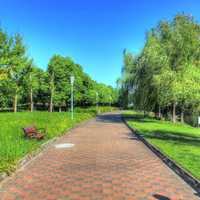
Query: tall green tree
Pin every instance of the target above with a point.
(168, 62)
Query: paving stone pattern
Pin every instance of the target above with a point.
(107, 162)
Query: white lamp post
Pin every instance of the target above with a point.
(72, 96)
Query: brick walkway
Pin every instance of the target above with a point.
(107, 162)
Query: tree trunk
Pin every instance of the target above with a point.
(174, 112)
(182, 115)
(60, 109)
(159, 112)
(31, 100)
(52, 92)
(51, 102)
(15, 103)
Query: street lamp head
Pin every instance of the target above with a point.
(72, 79)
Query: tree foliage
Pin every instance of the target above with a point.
(166, 72)
(23, 83)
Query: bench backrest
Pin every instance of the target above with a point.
(29, 130)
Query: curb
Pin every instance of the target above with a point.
(185, 175)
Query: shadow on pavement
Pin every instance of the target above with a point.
(161, 197)
(109, 118)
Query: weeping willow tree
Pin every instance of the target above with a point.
(165, 75)
(127, 81)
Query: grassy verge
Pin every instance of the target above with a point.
(180, 142)
(13, 145)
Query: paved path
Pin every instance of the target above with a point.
(107, 162)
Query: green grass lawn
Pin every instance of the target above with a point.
(180, 142)
(13, 145)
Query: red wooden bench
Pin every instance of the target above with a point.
(33, 132)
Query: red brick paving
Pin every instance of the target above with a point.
(107, 162)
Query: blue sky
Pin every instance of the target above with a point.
(92, 32)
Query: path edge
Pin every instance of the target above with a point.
(185, 175)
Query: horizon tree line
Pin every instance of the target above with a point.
(23, 83)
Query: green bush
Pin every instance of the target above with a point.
(94, 110)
